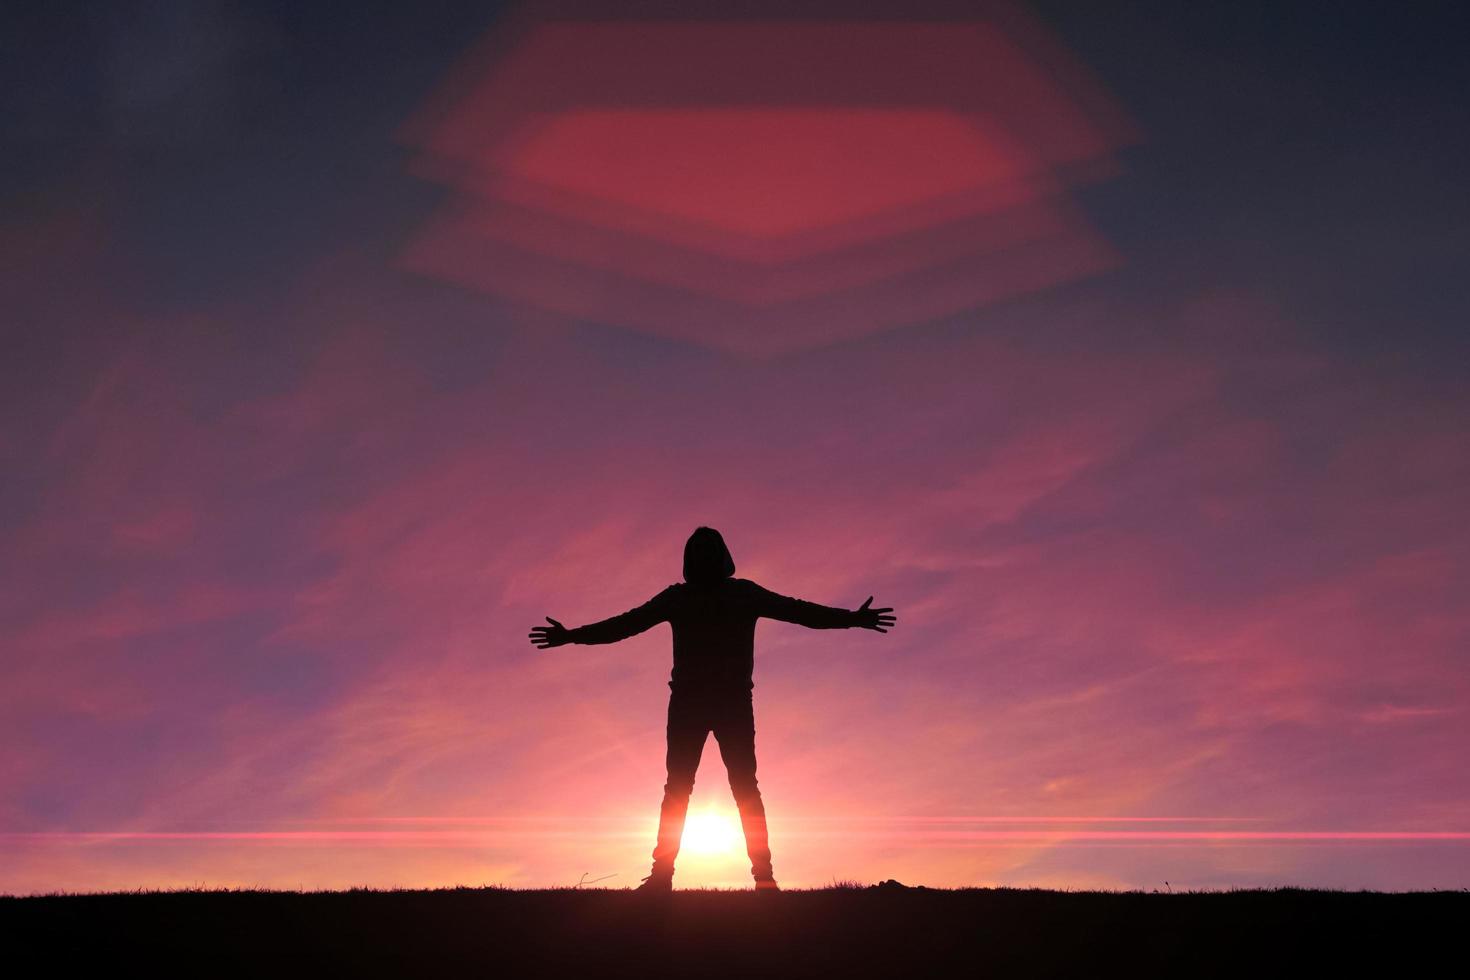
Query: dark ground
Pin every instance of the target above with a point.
(892, 932)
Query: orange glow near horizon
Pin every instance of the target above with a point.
(712, 834)
(480, 851)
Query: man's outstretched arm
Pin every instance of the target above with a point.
(609, 630)
(816, 616)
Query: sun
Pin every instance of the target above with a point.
(710, 832)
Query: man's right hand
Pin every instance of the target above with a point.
(554, 635)
(874, 619)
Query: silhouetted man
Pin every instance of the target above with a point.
(713, 617)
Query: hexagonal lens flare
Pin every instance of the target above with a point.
(761, 186)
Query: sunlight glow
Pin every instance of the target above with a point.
(710, 832)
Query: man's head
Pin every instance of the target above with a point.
(706, 559)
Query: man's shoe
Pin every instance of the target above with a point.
(656, 884)
(767, 885)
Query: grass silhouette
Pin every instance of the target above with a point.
(841, 930)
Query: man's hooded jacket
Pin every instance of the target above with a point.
(713, 617)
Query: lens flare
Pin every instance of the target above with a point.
(762, 186)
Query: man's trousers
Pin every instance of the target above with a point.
(692, 716)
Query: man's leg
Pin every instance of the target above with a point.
(735, 731)
(687, 729)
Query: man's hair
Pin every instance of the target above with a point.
(706, 559)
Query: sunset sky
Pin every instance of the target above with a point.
(1121, 348)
